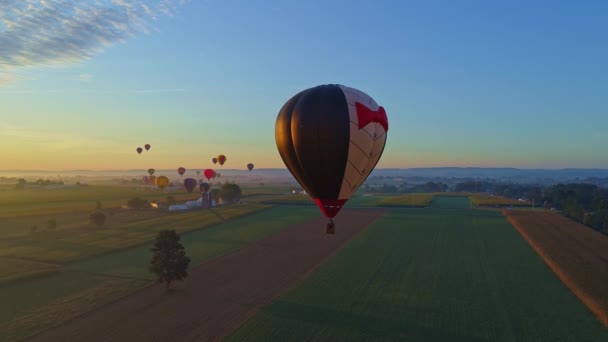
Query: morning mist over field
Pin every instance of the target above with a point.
(420, 170)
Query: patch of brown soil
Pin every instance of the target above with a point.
(220, 295)
(575, 253)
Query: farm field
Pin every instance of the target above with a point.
(219, 295)
(29, 202)
(577, 254)
(487, 200)
(78, 287)
(407, 201)
(430, 275)
(67, 245)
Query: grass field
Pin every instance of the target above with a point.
(577, 254)
(29, 202)
(407, 201)
(67, 245)
(29, 306)
(487, 200)
(15, 269)
(430, 275)
(202, 245)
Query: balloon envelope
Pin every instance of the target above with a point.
(147, 146)
(151, 171)
(208, 173)
(204, 187)
(190, 184)
(330, 138)
(181, 171)
(162, 182)
(221, 159)
(214, 160)
(250, 166)
(152, 180)
(145, 179)
(139, 149)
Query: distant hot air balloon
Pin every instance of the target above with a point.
(214, 160)
(208, 173)
(152, 180)
(147, 146)
(145, 179)
(200, 180)
(198, 173)
(214, 174)
(162, 182)
(151, 171)
(330, 138)
(217, 174)
(139, 150)
(204, 187)
(221, 159)
(249, 166)
(190, 184)
(181, 170)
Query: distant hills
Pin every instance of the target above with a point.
(499, 174)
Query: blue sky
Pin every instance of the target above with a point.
(464, 83)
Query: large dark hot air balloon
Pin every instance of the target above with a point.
(190, 184)
(214, 160)
(151, 171)
(181, 170)
(249, 166)
(221, 159)
(204, 187)
(330, 138)
(208, 173)
(139, 150)
(147, 146)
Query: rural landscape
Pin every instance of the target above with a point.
(412, 265)
(423, 171)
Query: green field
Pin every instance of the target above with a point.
(31, 305)
(202, 245)
(65, 245)
(407, 201)
(430, 275)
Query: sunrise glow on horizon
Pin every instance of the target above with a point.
(463, 84)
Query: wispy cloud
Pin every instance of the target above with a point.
(51, 33)
(84, 77)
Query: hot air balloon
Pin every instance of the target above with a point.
(151, 171)
(208, 173)
(204, 187)
(162, 182)
(331, 137)
(214, 174)
(181, 170)
(214, 160)
(152, 180)
(190, 184)
(217, 174)
(139, 149)
(198, 173)
(145, 178)
(221, 159)
(249, 166)
(147, 146)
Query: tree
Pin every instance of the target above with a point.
(97, 218)
(169, 261)
(230, 193)
(51, 224)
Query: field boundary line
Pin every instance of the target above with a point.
(306, 275)
(597, 309)
(71, 262)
